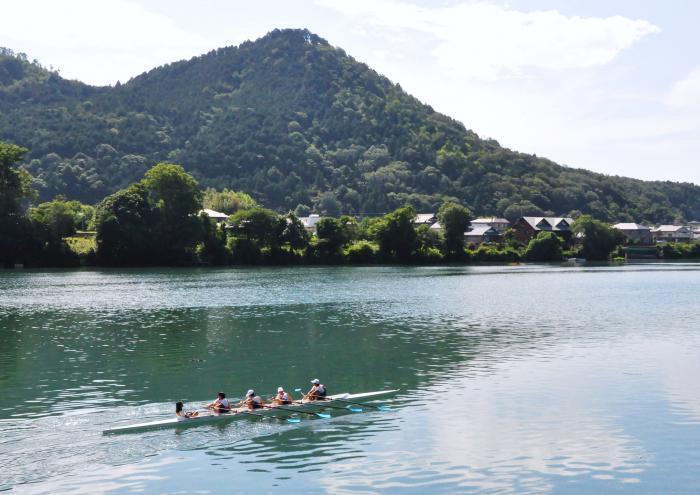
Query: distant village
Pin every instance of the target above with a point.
(641, 240)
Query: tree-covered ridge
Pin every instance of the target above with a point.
(294, 121)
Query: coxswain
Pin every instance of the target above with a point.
(282, 397)
(252, 401)
(181, 414)
(221, 404)
(318, 390)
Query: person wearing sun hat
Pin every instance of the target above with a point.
(252, 401)
(282, 397)
(318, 390)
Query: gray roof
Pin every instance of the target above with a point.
(549, 223)
(670, 228)
(481, 230)
(490, 220)
(424, 218)
(631, 226)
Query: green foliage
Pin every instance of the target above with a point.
(362, 252)
(396, 234)
(262, 227)
(454, 220)
(295, 121)
(545, 247)
(332, 235)
(681, 250)
(493, 253)
(598, 240)
(227, 201)
(294, 234)
(16, 235)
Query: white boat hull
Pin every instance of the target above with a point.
(305, 406)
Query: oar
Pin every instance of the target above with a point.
(320, 415)
(353, 409)
(289, 420)
(379, 408)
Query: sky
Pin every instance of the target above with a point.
(606, 85)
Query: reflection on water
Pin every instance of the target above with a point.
(514, 379)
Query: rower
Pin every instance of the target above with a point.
(282, 397)
(183, 415)
(221, 404)
(252, 401)
(318, 390)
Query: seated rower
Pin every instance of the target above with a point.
(252, 401)
(282, 397)
(318, 390)
(221, 404)
(182, 415)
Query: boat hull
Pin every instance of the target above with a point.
(206, 418)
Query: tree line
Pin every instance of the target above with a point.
(158, 221)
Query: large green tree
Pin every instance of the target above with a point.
(597, 239)
(396, 234)
(545, 247)
(454, 220)
(15, 186)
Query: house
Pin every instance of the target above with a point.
(425, 219)
(527, 228)
(481, 233)
(499, 224)
(436, 227)
(310, 222)
(672, 233)
(215, 216)
(635, 233)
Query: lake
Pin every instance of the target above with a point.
(514, 379)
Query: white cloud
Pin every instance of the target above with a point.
(487, 41)
(106, 40)
(686, 92)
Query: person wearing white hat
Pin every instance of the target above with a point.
(318, 390)
(252, 401)
(282, 397)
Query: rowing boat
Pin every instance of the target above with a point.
(272, 411)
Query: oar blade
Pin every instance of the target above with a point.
(384, 408)
(293, 420)
(355, 409)
(323, 415)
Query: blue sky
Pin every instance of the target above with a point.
(611, 86)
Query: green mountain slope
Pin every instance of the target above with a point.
(293, 120)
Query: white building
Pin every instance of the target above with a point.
(499, 224)
(310, 222)
(672, 233)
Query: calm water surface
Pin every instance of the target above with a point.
(522, 379)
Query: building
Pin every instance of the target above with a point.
(672, 233)
(215, 216)
(481, 233)
(527, 228)
(499, 224)
(436, 227)
(310, 222)
(635, 233)
(425, 219)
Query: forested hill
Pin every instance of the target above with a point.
(295, 121)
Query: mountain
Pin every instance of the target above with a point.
(293, 120)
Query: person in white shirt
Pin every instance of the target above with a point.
(221, 404)
(282, 397)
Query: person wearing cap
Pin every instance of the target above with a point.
(221, 404)
(282, 397)
(318, 390)
(252, 401)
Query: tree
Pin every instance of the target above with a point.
(294, 234)
(454, 220)
(332, 236)
(175, 196)
(227, 201)
(396, 234)
(545, 247)
(15, 186)
(260, 225)
(123, 221)
(597, 239)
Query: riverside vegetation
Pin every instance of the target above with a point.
(155, 221)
